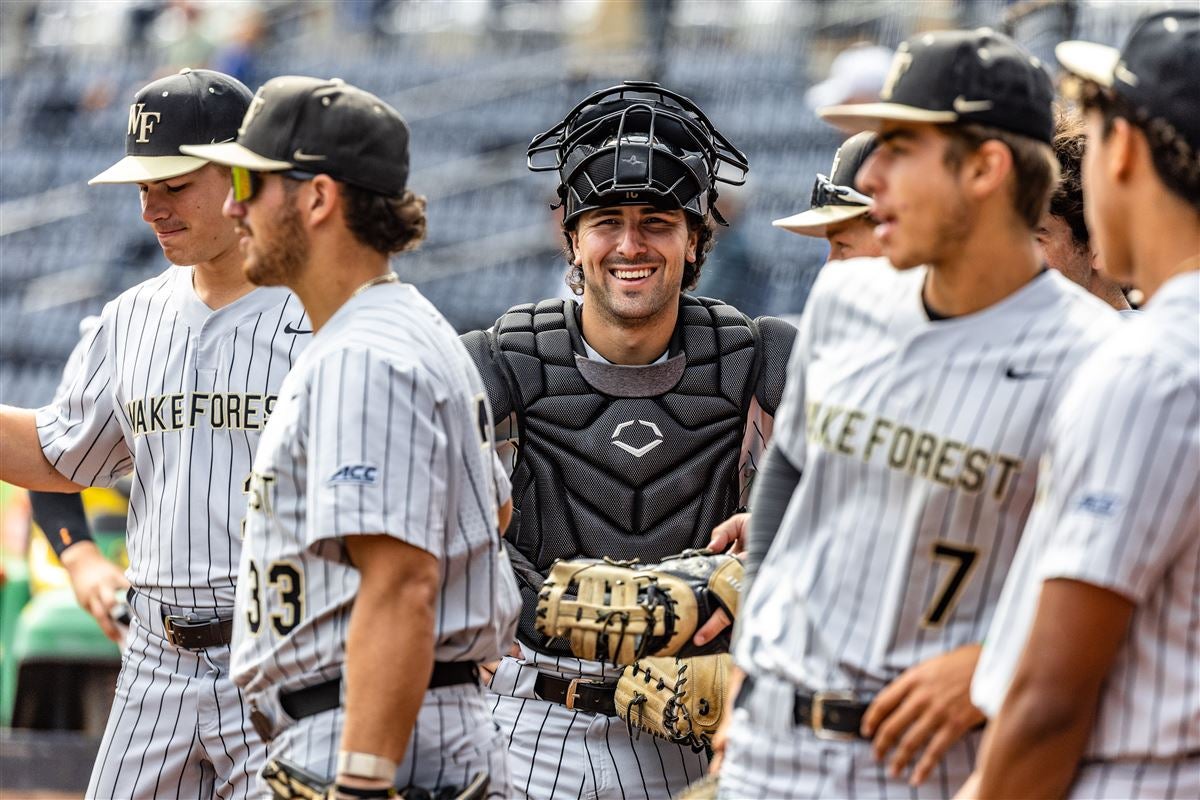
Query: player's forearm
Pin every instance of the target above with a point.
(773, 490)
(22, 462)
(1034, 747)
(390, 634)
(61, 518)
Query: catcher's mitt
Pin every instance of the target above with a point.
(679, 699)
(622, 611)
(288, 781)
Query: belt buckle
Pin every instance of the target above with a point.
(819, 699)
(572, 688)
(169, 627)
(262, 725)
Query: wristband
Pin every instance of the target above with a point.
(367, 766)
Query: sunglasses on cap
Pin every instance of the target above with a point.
(827, 193)
(248, 182)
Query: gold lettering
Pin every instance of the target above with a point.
(176, 412)
(942, 461)
(974, 467)
(922, 453)
(852, 419)
(898, 458)
(1009, 467)
(873, 438)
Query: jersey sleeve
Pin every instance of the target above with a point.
(1124, 480)
(80, 430)
(789, 422)
(377, 452)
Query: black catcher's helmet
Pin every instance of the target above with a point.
(637, 144)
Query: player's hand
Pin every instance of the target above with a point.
(928, 707)
(718, 622)
(97, 583)
(488, 670)
(733, 531)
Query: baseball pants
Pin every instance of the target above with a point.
(179, 727)
(453, 740)
(556, 752)
(768, 755)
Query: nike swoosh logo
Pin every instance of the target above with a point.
(1014, 374)
(964, 106)
(300, 155)
(294, 331)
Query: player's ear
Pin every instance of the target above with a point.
(987, 169)
(1122, 148)
(576, 259)
(693, 243)
(323, 197)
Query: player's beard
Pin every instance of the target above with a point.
(632, 309)
(276, 253)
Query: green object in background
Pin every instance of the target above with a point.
(14, 594)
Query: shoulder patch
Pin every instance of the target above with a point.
(363, 474)
(1104, 505)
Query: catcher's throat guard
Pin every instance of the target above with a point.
(637, 144)
(621, 611)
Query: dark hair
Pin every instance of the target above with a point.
(1175, 159)
(704, 227)
(1066, 202)
(1035, 171)
(385, 224)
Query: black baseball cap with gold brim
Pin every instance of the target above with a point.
(194, 106)
(944, 77)
(1156, 71)
(835, 198)
(319, 126)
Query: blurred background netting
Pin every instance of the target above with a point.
(476, 79)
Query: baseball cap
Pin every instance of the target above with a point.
(1155, 72)
(195, 106)
(858, 72)
(319, 126)
(944, 77)
(835, 199)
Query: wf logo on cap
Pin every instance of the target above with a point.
(142, 122)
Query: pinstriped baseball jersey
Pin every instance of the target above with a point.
(1119, 507)
(918, 443)
(382, 427)
(177, 393)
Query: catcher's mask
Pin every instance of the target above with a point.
(637, 144)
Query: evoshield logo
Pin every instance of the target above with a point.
(354, 473)
(637, 452)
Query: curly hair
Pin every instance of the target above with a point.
(1176, 160)
(1066, 202)
(704, 228)
(385, 224)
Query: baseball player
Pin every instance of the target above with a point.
(634, 419)
(905, 455)
(372, 578)
(838, 211)
(1062, 233)
(175, 385)
(1090, 669)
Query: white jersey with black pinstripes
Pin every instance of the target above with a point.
(382, 427)
(1119, 507)
(918, 443)
(177, 393)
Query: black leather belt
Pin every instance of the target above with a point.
(328, 695)
(596, 697)
(197, 631)
(830, 715)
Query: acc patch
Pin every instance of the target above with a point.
(1104, 505)
(364, 474)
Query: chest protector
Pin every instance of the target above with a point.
(620, 461)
